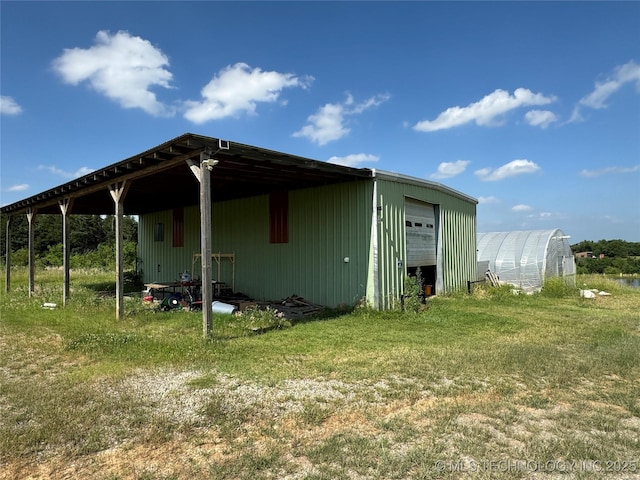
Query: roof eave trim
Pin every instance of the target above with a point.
(398, 177)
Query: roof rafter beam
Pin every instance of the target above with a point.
(104, 184)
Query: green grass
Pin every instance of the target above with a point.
(469, 379)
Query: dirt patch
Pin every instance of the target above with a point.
(128, 461)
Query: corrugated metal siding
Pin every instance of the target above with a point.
(326, 225)
(458, 219)
(456, 231)
(391, 246)
(160, 261)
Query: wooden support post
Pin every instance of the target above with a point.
(202, 171)
(118, 191)
(7, 273)
(65, 208)
(205, 246)
(31, 218)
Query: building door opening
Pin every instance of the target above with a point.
(420, 228)
(427, 279)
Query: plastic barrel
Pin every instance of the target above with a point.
(220, 307)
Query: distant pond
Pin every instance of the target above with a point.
(630, 282)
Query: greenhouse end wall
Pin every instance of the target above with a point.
(526, 259)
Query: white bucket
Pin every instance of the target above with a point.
(220, 307)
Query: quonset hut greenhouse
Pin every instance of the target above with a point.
(526, 258)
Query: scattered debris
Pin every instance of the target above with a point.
(49, 305)
(244, 304)
(291, 307)
(593, 293)
(221, 307)
(493, 278)
(295, 306)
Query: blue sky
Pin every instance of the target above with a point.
(532, 108)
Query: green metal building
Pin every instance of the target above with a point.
(279, 224)
(339, 244)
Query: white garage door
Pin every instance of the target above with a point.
(420, 224)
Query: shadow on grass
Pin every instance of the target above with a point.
(132, 284)
(108, 289)
(232, 327)
(323, 314)
(101, 287)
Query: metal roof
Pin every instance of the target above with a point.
(160, 178)
(398, 177)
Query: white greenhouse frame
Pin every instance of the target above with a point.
(526, 259)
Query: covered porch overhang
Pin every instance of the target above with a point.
(167, 176)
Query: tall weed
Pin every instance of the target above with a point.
(557, 287)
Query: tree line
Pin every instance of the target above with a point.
(618, 257)
(91, 240)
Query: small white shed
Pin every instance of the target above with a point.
(526, 258)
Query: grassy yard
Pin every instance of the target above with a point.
(485, 386)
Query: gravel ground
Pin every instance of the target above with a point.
(176, 395)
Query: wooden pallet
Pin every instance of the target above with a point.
(295, 306)
(493, 278)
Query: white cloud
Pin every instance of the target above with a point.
(18, 188)
(327, 124)
(515, 167)
(540, 118)
(238, 88)
(622, 74)
(485, 112)
(8, 106)
(610, 170)
(629, 72)
(521, 208)
(544, 216)
(120, 66)
(82, 171)
(450, 169)
(354, 160)
(489, 199)
(356, 108)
